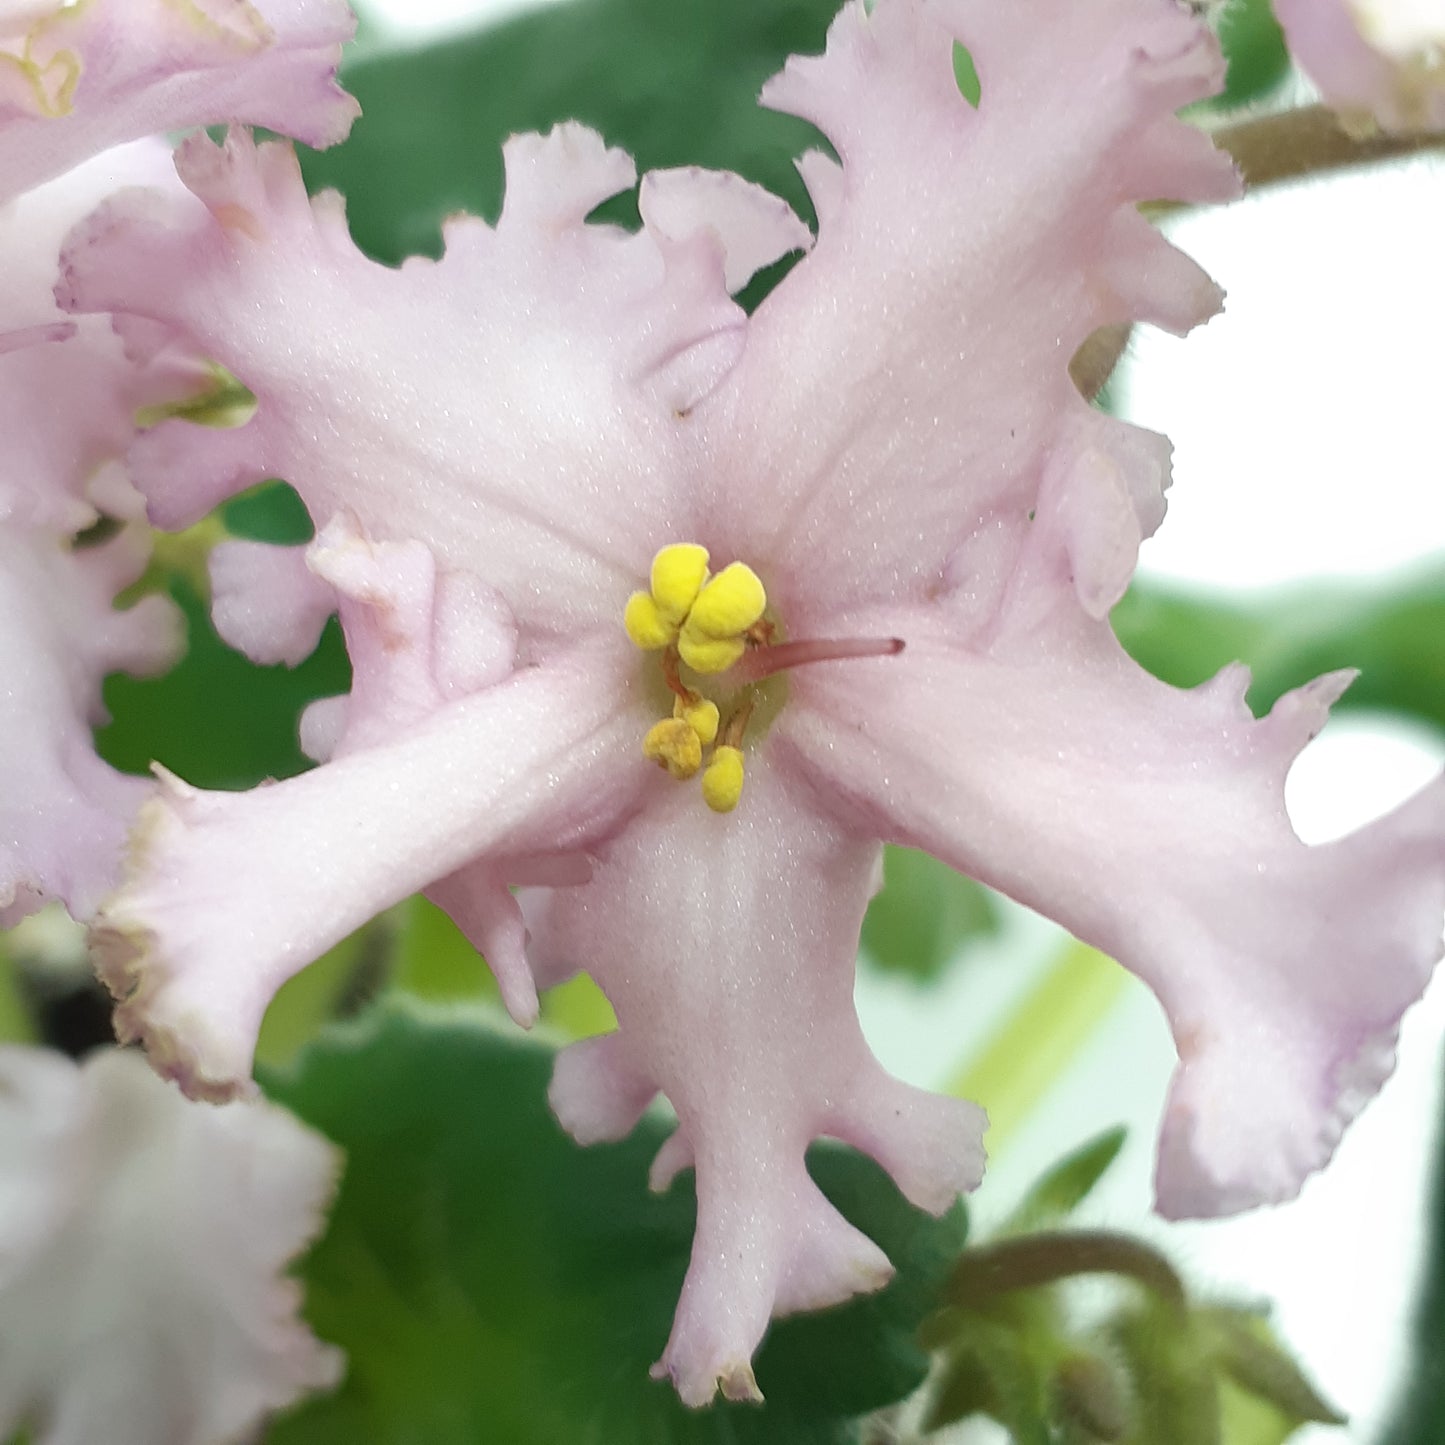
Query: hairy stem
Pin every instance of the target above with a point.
(1030, 1260)
(1307, 141)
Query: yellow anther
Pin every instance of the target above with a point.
(674, 745)
(700, 715)
(647, 628)
(709, 654)
(722, 783)
(678, 574)
(729, 604)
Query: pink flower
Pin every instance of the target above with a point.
(1378, 62)
(502, 447)
(64, 813)
(142, 1251)
(76, 79)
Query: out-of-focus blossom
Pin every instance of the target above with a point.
(63, 812)
(559, 427)
(1378, 62)
(70, 388)
(76, 79)
(143, 1244)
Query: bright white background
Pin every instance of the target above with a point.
(1306, 425)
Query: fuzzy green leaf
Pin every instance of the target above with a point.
(492, 1281)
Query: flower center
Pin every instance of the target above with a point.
(709, 623)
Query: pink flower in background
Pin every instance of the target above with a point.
(75, 81)
(844, 568)
(63, 812)
(142, 1249)
(1378, 62)
(78, 79)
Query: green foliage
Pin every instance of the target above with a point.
(1391, 633)
(1255, 48)
(1155, 1367)
(492, 1281)
(924, 915)
(1063, 1187)
(217, 720)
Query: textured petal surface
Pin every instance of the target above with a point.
(906, 387)
(75, 80)
(143, 1239)
(726, 946)
(513, 406)
(266, 602)
(1151, 823)
(229, 894)
(63, 812)
(1378, 62)
(68, 390)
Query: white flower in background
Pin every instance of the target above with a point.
(142, 1244)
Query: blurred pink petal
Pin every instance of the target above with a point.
(143, 1245)
(69, 391)
(64, 814)
(76, 80)
(1378, 62)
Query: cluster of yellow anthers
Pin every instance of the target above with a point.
(706, 622)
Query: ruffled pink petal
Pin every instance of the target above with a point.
(418, 640)
(69, 391)
(77, 80)
(151, 1306)
(1378, 62)
(266, 602)
(751, 227)
(514, 406)
(63, 812)
(481, 904)
(726, 945)
(229, 894)
(905, 388)
(1151, 822)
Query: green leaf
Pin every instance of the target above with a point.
(216, 719)
(492, 1281)
(1391, 634)
(1255, 50)
(673, 81)
(1062, 1188)
(1246, 1350)
(271, 512)
(924, 915)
